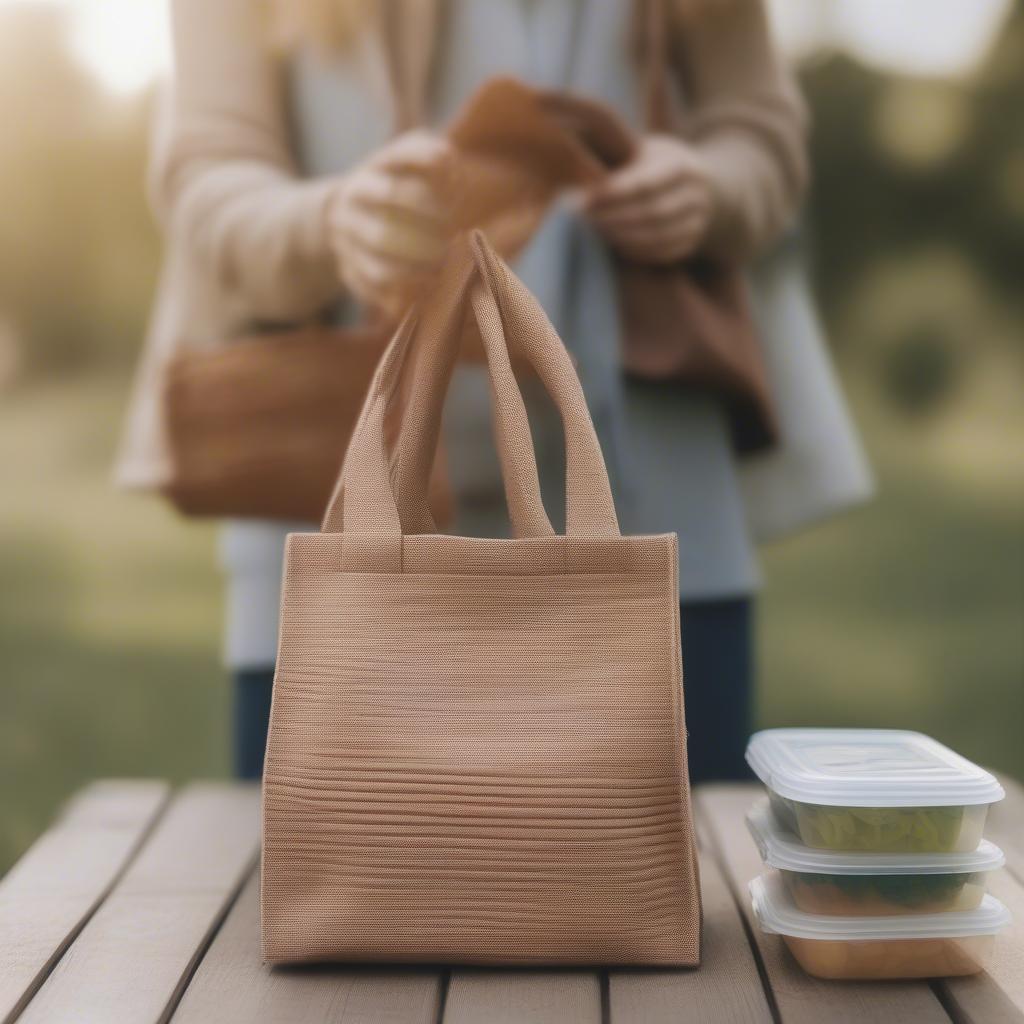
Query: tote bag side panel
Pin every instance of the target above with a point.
(481, 760)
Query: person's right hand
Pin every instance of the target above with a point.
(389, 221)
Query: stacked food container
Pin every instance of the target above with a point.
(876, 865)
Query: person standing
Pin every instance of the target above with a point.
(285, 192)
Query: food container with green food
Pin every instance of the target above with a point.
(873, 948)
(873, 790)
(872, 884)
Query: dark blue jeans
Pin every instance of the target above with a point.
(718, 686)
(717, 681)
(253, 687)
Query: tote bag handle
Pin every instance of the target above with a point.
(378, 493)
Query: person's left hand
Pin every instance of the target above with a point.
(656, 209)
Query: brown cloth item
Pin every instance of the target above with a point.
(512, 159)
(689, 322)
(477, 747)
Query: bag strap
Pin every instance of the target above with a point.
(375, 486)
(408, 31)
(659, 110)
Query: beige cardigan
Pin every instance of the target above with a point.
(246, 241)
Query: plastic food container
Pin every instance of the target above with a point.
(872, 948)
(873, 790)
(872, 884)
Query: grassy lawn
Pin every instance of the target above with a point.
(109, 616)
(908, 613)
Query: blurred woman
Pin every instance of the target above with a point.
(285, 191)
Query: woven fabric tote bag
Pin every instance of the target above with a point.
(477, 747)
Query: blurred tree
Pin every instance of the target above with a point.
(77, 249)
(903, 165)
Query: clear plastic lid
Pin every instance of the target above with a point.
(867, 768)
(777, 914)
(781, 849)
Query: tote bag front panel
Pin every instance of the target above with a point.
(480, 766)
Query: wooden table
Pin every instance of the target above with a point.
(141, 904)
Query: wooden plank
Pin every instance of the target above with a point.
(135, 955)
(1005, 826)
(997, 995)
(232, 986)
(727, 987)
(524, 997)
(47, 897)
(798, 997)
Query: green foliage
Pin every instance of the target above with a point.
(78, 251)
(904, 166)
(109, 616)
(920, 373)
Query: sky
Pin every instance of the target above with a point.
(125, 42)
(944, 38)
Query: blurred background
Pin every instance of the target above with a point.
(908, 613)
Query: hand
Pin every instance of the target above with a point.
(656, 209)
(389, 222)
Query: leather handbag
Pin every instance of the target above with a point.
(259, 426)
(477, 749)
(692, 323)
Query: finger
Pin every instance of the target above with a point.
(641, 177)
(382, 282)
(660, 251)
(373, 297)
(394, 238)
(638, 180)
(387, 272)
(663, 208)
(661, 240)
(658, 233)
(415, 151)
(360, 286)
(408, 194)
(661, 243)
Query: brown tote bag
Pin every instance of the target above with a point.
(477, 747)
